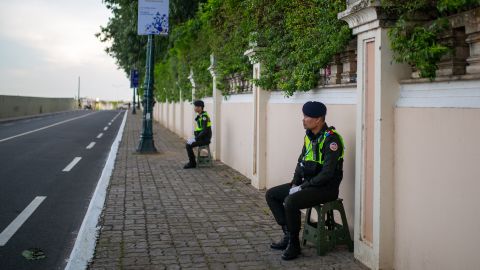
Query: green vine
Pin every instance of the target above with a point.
(299, 37)
(416, 42)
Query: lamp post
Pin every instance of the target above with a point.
(134, 111)
(133, 85)
(146, 144)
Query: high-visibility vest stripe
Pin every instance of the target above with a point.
(199, 126)
(310, 154)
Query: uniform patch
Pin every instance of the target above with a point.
(333, 146)
(204, 118)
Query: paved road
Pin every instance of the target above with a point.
(49, 168)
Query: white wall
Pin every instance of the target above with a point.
(237, 136)
(188, 120)
(437, 213)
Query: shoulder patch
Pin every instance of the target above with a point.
(333, 146)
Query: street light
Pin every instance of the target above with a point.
(146, 144)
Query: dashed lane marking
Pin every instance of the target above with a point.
(91, 145)
(19, 220)
(72, 164)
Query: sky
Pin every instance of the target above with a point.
(45, 45)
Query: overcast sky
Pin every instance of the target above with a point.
(45, 45)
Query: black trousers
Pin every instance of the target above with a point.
(286, 208)
(189, 147)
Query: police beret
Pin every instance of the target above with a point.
(199, 103)
(314, 109)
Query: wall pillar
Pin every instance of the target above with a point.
(192, 81)
(377, 92)
(216, 114)
(181, 119)
(260, 102)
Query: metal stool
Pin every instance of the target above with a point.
(205, 161)
(326, 233)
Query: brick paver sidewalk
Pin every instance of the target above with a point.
(160, 216)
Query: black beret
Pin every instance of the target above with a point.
(199, 103)
(314, 109)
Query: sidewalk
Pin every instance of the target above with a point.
(160, 216)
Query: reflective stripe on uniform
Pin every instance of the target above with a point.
(199, 126)
(309, 153)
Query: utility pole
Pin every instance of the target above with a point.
(78, 94)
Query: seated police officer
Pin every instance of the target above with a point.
(316, 179)
(203, 133)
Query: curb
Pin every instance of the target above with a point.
(84, 247)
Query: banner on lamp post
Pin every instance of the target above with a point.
(152, 17)
(133, 78)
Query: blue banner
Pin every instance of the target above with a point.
(133, 78)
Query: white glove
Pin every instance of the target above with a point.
(295, 189)
(191, 140)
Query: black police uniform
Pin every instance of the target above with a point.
(203, 136)
(319, 184)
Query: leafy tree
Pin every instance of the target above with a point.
(128, 48)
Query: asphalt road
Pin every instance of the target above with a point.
(49, 168)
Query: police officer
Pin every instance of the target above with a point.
(316, 179)
(203, 133)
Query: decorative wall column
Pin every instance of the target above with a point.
(260, 101)
(378, 89)
(472, 29)
(167, 113)
(336, 70)
(217, 103)
(192, 81)
(182, 131)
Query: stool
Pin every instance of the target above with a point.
(204, 160)
(326, 233)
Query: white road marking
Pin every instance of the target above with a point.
(82, 251)
(99, 135)
(105, 128)
(90, 146)
(28, 132)
(18, 222)
(72, 164)
(110, 123)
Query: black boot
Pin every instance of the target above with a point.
(190, 165)
(282, 244)
(293, 248)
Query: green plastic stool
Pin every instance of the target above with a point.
(205, 161)
(326, 233)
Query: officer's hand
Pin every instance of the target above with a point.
(294, 189)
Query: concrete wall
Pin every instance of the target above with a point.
(188, 120)
(237, 135)
(17, 106)
(178, 114)
(284, 138)
(437, 214)
(435, 157)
